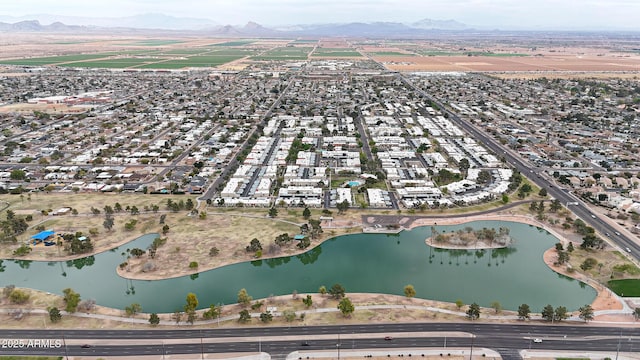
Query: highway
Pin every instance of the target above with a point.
(505, 338)
(539, 178)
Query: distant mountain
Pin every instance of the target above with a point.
(154, 23)
(35, 26)
(430, 24)
(142, 21)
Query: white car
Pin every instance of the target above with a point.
(537, 340)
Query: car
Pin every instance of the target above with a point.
(388, 338)
(628, 250)
(537, 340)
(305, 343)
(85, 346)
(617, 233)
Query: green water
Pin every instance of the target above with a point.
(360, 262)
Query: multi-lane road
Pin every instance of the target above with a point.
(541, 179)
(280, 341)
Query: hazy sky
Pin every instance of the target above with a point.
(559, 14)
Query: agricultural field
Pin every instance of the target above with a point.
(186, 51)
(285, 53)
(303, 41)
(50, 60)
(235, 43)
(193, 61)
(390, 53)
(120, 63)
(153, 42)
(335, 52)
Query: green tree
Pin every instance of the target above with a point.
(306, 213)
(337, 291)
(459, 304)
(636, 313)
(542, 192)
(555, 205)
(473, 312)
(132, 309)
(560, 313)
(244, 316)
(273, 212)
(464, 165)
(254, 245)
(505, 198)
(18, 296)
(547, 313)
(71, 299)
(266, 317)
(192, 303)
(54, 314)
(524, 312)
(322, 290)
(165, 229)
(586, 313)
(496, 306)
(409, 291)
(342, 206)
(307, 301)
(346, 307)
(289, 315)
(154, 319)
(214, 312)
(244, 298)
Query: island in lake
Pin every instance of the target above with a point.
(470, 238)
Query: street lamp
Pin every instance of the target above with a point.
(471, 352)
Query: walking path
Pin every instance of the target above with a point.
(461, 314)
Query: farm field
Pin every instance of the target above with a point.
(285, 53)
(335, 52)
(50, 60)
(193, 61)
(235, 43)
(154, 42)
(113, 63)
(494, 63)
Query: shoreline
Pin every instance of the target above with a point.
(603, 299)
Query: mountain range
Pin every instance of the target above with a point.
(159, 22)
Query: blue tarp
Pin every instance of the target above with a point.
(298, 237)
(43, 235)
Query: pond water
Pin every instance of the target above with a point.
(374, 263)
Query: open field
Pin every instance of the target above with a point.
(113, 63)
(235, 43)
(335, 52)
(192, 61)
(496, 63)
(53, 59)
(285, 53)
(154, 42)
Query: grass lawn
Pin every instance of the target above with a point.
(625, 287)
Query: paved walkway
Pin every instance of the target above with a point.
(461, 314)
